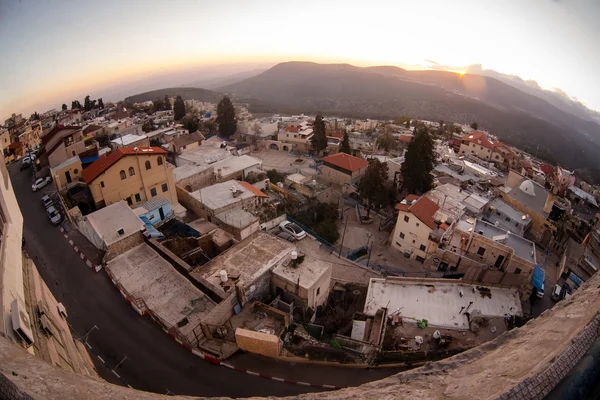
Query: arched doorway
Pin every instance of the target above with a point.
(273, 146)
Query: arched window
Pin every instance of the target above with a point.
(159, 160)
(131, 171)
(123, 176)
(148, 166)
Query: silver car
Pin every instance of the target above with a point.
(40, 183)
(292, 229)
(53, 215)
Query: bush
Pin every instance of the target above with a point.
(328, 230)
(274, 176)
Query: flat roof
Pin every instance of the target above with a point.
(536, 201)
(108, 220)
(305, 274)
(237, 218)
(583, 195)
(203, 226)
(145, 274)
(523, 248)
(439, 302)
(128, 139)
(510, 212)
(65, 163)
(209, 152)
(234, 164)
(187, 170)
(248, 260)
(154, 204)
(220, 195)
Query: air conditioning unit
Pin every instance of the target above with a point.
(62, 310)
(20, 322)
(46, 324)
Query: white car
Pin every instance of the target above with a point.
(46, 201)
(53, 215)
(40, 183)
(292, 229)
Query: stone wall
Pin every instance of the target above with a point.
(123, 245)
(258, 342)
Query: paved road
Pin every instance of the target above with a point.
(154, 361)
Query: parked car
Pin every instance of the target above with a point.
(292, 229)
(25, 163)
(46, 201)
(556, 293)
(40, 183)
(53, 215)
(287, 236)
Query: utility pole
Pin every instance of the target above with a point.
(90, 331)
(343, 234)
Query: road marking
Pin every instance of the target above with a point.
(252, 373)
(303, 383)
(329, 386)
(117, 375)
(100, 358)
(278, 379)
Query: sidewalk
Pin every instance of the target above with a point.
(84, 245)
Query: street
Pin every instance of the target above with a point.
(154, 362)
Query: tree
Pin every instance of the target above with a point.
(345, 145)
(226, 117)
(192, 125)
(87, 103)
(407, 124)
(178, 108)
(166, 103)
(418, 164)
(319, 138)
(372, 187)
(475, 125)
(64, 107)
(387, 141)
(157, 105)
(274, 176)
(147, 126)
(75, 104)
(100, 103)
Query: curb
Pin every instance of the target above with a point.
(96, 268)
(106, 365)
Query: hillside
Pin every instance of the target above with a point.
(185, 92)
(518, 118)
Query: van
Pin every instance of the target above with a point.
(540, 292)
(556, 292)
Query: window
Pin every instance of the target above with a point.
(75, 171)
(406, 218)
(498, 213)
(164, 187)
(507, 219)
(401, 235)
(129, 201)
(417, 224)
(122, 173)
(138, 198)
(101, 183)
(73, 152)
(148, 166)
(414, 242)
(480, 147)
(318, 290)
(420, 259)
(159, 160)
(183, 147)
(481, 251)
(517, 270)
(422, 247)
(153, 192)
(131, 171)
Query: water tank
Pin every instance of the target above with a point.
(294, 255)
(223, 275)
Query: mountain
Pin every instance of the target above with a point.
(516, 117)
(215, 82)
(184, 92)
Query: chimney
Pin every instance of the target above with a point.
(549, 202)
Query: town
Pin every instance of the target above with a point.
(310, 239)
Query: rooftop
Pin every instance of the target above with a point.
(237, 218)
(346, 161)
(306, 274)
(583, 195)
(232, 165)
(108, 220)
(422, 208)
(438, 301)
(185, 140)
(499, 205)
(247, 260)
(66, 163)
(212, 150)
(523, 248)
(221, 195)
(257, 192)
(128, 139)
(187, 170)
(530, 194)
(105, 162)
(154, 204)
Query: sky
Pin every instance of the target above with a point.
(53, 51)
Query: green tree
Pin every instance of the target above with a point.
(475, 125)
(274, 176)
(147, 126)
(166, 103)
(418, 164)
(157, 105)
(100, 103)
(87, 103)
(226, 117)
(178, 108)
(319, 138)
(192, 125)
(64, 107)
(372, 186)
(75, 104)
(345, 145)
(407, 124)
(387, 141)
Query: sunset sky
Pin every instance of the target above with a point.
(55, 50)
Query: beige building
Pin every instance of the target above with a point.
(67, 173)
(482, 146)
(412, 234)
(64, 142)
(343, 169)
(305, 282)
(130, 140)
(130, 175)
(4, 139)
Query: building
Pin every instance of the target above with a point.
(185, 142)
(130, 140)
(498, 213)
(414, 226)
(4, 139)
(236, 168)
(343, 169)
(93, 130)
(306, 282)
(67, 173)
(64, 142)
(238, 222)
(155, 210)
(294, 137)
(482, 146)
(132, 174)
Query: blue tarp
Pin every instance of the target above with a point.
(538, 278)
(154, 233)
(89, 160)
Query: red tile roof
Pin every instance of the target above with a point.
(337, 135)
(346, 161)
(257, 192)
(481, 138)
(292, 128)
(406, 203)
(547, 169)
(405, 138)
(105, 162)
(91, 128)
(423, 208)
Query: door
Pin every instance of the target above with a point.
(499, 261)
(68, 176)
(161, 213)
